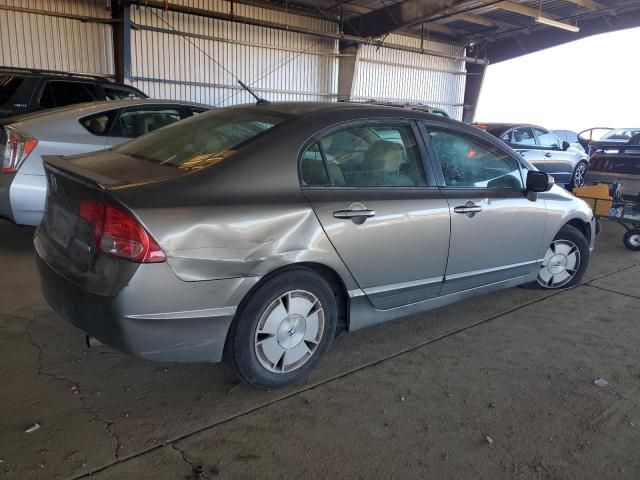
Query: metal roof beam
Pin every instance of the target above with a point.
(539, 15)
(480, 20)
(396, 16)
(589, 4)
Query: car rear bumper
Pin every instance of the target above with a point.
(156, 316)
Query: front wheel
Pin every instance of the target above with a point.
(631, 239)
(565, 261)
(579, 174)
(283, 330)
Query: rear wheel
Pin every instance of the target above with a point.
(283, 330)
(579, 174)
(565, 261)
(631, 239)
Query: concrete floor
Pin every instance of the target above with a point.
(497, 387)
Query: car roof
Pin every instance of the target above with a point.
(82, 109)
(298, 109)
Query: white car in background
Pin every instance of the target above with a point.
(70, 130)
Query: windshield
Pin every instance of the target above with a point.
(621, 134)
(201, 140)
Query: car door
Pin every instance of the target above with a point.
(556, 161)
(133, 122)
(496, 229)
(386, 219)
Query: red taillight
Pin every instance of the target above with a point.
(119, 234)
(16, 150)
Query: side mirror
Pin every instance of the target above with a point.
(565, 145)
(539, 181)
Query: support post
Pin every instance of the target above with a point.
(472, 89)
(121, 12)
(347, 70)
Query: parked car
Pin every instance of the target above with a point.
(70, 130)
(253, 233)
(617, 163)
(24, 90)
(569, 136)
(544, 150)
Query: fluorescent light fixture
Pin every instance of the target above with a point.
(555, 23)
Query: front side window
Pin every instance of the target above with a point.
(519, 136)
(136, 122)
(367, 156)
(60, 93)
(469, 163)
(203, 140)
(547, 139)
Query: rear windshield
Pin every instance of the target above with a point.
(202, 140)
(8, 86)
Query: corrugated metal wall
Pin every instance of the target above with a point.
(188, 65)
(389, 74)
(181, 56)
(31, 40)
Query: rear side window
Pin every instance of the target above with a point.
(366, 156)
(59, 93)
(9, 84)
(202, 140)
(101, 123)
(136, 122)
(469, 163)
(120, 94)
(519, 136)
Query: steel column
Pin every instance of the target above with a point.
(121, 13)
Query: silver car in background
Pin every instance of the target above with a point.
(254, 233)
(544, 150)
(70, 130)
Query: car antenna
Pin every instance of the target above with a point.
(259, 101)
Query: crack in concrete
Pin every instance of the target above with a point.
(196, 468)
(110, 425)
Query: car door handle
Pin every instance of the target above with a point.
(469, 209)
(350, 214)
(548, 155)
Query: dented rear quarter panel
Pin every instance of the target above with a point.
(245, 216)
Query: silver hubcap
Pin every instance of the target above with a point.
(578, 175)
(560, 264)
(634, 240)
(289, 331)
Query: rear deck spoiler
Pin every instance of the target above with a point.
(92, 179)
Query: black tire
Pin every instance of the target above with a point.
(577, 238)
(579, 174)
(240, 348)
(631, 239)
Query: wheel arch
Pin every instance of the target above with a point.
(582, 226)
(332, 277)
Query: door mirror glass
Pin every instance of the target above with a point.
(539, 181)
(565, 145)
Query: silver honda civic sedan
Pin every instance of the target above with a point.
(253, 234)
